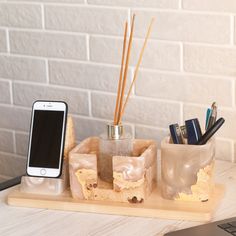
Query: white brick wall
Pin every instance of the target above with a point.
(22, 68)
(85, 19)
(3, 41)
(184, 26)
(20, 15)
(71, 50)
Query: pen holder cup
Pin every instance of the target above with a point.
(187, 171)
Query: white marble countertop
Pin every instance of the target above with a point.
(25, 221)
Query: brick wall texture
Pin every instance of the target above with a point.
(71, 50)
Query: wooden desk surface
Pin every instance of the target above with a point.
(25, 221)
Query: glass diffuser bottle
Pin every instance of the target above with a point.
(115, 142)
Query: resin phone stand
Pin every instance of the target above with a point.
(52, 186)
(48, 186)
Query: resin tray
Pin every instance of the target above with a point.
(154, 206)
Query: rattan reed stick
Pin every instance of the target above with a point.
(136, 69)
(126, 69)
(121, 76)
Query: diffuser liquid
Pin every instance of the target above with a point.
(109, 148)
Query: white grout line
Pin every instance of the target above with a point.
(13, 154)
(97, 63)
(211, 45)
(47, 71)
(11, 92)
(14, 141)
(90, 118)
(132, 70)
(43, 16)
(202, 106)
(181, 5)
(182, 113)
(88, 47)
(15, 106)
(16, 131)
(232, 30)
(90, 103)
(99, 119)
(5, 80)
(129, 23)
(120, 7)
(152, 127)
(43, 83)
(38, 2)
(140, 97)
(184, 11)
(94, 91)
(6, 130)
(19, 2)
(110, 93)
(101, 92)
(181, 57)
(85, 4)
(7, 41)
(58, 86)
(118, 37)
(53, 31)
(133, 132)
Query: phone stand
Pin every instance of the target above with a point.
(52, 186)
(47, 186)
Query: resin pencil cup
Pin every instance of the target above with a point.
(187, 171)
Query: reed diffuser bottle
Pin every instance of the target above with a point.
(115, 141)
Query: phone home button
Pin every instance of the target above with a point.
(43, 172)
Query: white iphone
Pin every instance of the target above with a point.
(46, 143)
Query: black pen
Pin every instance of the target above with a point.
(211, 131)
(176, 134)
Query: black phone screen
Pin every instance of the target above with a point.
(46, 139)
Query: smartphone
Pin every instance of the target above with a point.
(46, 142)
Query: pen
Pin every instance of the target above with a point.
(212, 118)
(208, 114)
(211, 131)
(184, 131)
(176, 134)
(193, 129)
